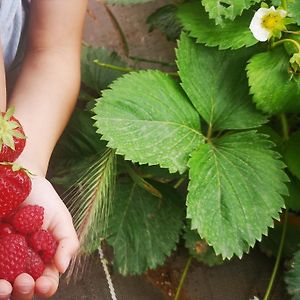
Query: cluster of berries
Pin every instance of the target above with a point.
(24, 246)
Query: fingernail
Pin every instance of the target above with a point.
(25, 290)
(45, 288)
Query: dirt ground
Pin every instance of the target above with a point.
(235, 280)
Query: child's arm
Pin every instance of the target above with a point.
(44, 97)
(2, 84)
(48, 85)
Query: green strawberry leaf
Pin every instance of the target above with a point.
(292, 278)
(291, 153)
(219, 10)
(233, 35)
(273, 136)
(147, 117)
(276, 2)
(216, 84)
(294, 10)
(136, 223)
(165, 19)
(199, 249)
(77, 147)
(95, 77)
(239, 194)
(272, 84)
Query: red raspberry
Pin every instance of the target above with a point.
(6, 229)
(15, 186)
(43, 242)
(13, 255)
(28, 219)
(34, 265)
(8, 218)
(12, 138)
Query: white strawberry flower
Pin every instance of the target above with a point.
(267, 22)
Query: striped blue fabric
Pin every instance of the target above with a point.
(12, 17)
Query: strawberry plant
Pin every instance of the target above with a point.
(206, 154)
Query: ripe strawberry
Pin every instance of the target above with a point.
(12, 138)
(28, 219)
(34, 264)
(6, 229)
(43, 242)
(13, 255)
(15, 186)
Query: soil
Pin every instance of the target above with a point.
(234, 280)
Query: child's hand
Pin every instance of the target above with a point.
(59, 222)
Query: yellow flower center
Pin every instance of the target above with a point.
(273, 20)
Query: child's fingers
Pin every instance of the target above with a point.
(5, 290)
(47, 284)
(23, 287)
(67, 247)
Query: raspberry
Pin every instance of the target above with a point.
(13, 255)
(43, 242)
(6, 229)
(28, 219)
(34, 265)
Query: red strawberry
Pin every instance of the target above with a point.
(6, 229)
(28, 219)
(34, 265)
(12, 138)
(15, 186)
(43, 242)
(13, 256)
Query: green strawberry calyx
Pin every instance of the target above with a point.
(16, 167)
(9, 129)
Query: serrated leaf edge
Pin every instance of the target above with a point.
(112, 145)
(264, 231)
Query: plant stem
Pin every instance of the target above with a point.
(126, 70)
(152, 61)
(285, 126)
(292, 32)
(209, 133)
(287, 40)
(113, 67)
(141, 182)
(179, 182)
(283, 4)
(285, 134)
(278, 257)
(183, 276)
(119, 30)
(173, 74)
(122, 35)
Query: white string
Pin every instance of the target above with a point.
(104, 263)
